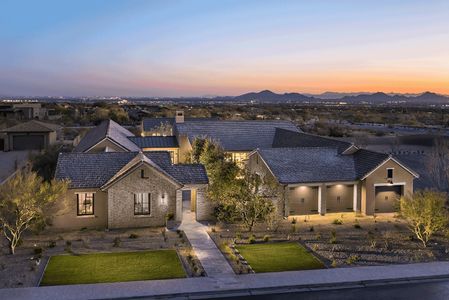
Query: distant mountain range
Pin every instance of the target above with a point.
(355, 98)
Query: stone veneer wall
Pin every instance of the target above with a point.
(121, 199)
(204, 207)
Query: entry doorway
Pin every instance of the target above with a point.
(189, 200)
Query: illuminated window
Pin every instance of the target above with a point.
(85, 204)
(142, 203)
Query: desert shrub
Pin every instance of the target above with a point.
(353, 258)
(266, 238)
(38, 250)
(133, 236)
(311, 229)
(294, 221)
(252, 239)
(238, 235)
(333, 239)
(116, 242)
(334, 263)
(357, 224)
(294, 228)
(170, 216)
(337, 222)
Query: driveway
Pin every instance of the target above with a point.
(9, 161)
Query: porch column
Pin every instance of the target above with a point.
(179, 205)
(322, 199)
(355, 205)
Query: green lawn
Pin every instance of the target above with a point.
(277, 257)
(113, 267)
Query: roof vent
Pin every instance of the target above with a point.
(179, 116)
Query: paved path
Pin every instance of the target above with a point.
(249, 284)
(214, 263)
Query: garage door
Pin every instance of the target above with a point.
(28, 142)
(304, 201)
(386, 198)
(339, 198)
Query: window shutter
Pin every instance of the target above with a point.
(149, 203)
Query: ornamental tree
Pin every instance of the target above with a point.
(425, 213)
(25, 201)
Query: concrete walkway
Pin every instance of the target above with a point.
(214, 263)
(249, 284)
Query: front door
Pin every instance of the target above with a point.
(186, 200)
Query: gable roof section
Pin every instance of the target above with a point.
(107, 129)
(323, 164)
(94, 170)
(155, 141)
(288, 139)
(308, 165)
(33, 126)
(235, 135)
(138, 160)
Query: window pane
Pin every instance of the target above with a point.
(141, 204)
(85, 204)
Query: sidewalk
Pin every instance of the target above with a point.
(214, 263)
(249, 284)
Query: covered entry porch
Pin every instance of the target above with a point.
(322, 198)
(192, 199)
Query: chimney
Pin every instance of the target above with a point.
(179, 116)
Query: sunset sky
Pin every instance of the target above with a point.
(195, 48)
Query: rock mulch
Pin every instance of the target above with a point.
(357, 241)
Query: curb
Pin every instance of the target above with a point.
(246, 292)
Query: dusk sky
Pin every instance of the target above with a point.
(194, 48)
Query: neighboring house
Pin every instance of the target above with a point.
(23, 111)
(107, 137)
(32, 135)
(317, 180)
(129, 189)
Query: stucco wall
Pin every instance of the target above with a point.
(400, 175)
(121, 199)
(184, 148)
(66, 215)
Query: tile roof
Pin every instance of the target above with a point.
(152, 123)
(235, 135)
(319, 164)
(287, 139)
(107, 129)
(93, 170)
(155, 141)
(33, 126)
